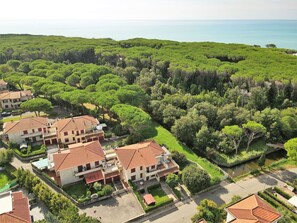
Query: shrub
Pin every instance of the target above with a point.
(172, 180)
(97, 186)
(107, 190)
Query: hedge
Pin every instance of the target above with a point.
(283, 193)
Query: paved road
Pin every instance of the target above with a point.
(221, 195)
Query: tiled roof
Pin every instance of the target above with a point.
(140, 154)
(168, 171)
(253, 210)
(78, 154)
(25, 124)
(94, 176)
(75, 123)
(20, 212)
(149, 199)
(15, 94)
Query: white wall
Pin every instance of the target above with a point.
(67, 176)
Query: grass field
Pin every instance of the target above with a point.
(77, 190)
(159, 195)
(163, 136)
(6, 175)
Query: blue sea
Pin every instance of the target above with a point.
(283, 33)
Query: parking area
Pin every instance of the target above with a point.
(123, 207)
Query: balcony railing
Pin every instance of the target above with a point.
(31, 134)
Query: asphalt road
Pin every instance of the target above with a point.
(221, 195)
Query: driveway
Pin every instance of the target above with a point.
(115, 210)
(182, 212)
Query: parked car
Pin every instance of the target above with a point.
(5, 114)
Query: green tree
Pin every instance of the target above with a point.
(261, 161)
(253, 130)
(179, 158)
(195, 179)
(37, 105)
(6, 157)
(172, 180)
(135, 119)
(234, 134)
(209, 211)
(291, 147)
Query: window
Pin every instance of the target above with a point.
(66, 140)
(77, 132)
(73, 139)
(33, 130)
(72, 132)
(79, 168)
(147, 169)
(141, 168)
(65, 133)
(25, 132)
(88, 166)
(153, 167)
(141, 175)
(97, 163)
(133, 170)
(133, 178)
(39, 129)
(82, 131)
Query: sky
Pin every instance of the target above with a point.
(84, 10)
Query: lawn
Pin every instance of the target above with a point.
(18, 117)
(6, 175)
(77, 190)
(256, 149)
(163, 136)
(159, 195)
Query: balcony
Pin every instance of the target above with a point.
(50, 135)
(85, 171)
(33, 134)
(90, 133)
(106, 169)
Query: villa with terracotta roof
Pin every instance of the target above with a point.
(145, 161)
(3, 86)
(84, 161)
(252, 209)
(14, 208)
(74, 130)
(13, 99)
(26, 130)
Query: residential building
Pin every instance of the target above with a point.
(25, 130)
(145, 161)
(74, 130)
(3, 86)
(13, 99)
(14, 208)
(84, 161)
(252, 209)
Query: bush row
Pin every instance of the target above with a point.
(58, 205)
(283, 193)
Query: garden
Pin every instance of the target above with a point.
(82, 192)
(29, 151)
(156, 191)
(7, 171)
(278, 198)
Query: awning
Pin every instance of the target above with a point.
(94, 177)
(149, 199)
(168, 171)
(293, 201)
(111, 175)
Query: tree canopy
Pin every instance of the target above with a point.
(37, 105)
